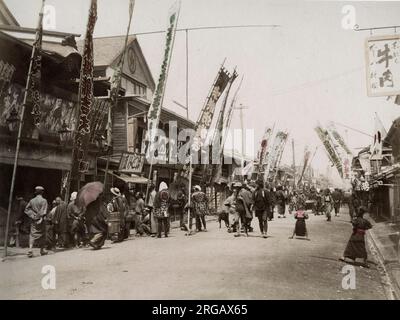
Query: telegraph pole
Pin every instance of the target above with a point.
(241, 108)
(294, 165)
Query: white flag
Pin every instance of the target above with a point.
(379, 134)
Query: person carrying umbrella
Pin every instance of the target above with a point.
(90, 199)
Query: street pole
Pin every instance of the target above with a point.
(294, 166)
(187, 74)
(243, 135)
(14, 173)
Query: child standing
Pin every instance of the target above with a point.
(300, 229)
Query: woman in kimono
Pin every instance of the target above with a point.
(356, 246)
(200, 208)
(300, 228)
(161, 209)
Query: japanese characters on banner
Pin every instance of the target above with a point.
(330, 149)
(339, 139)
(207, 113)
(153, 116)
(262, 156)
(347, 168)
(86, 97)
(383, 65)
(35, 75)
(275, 152)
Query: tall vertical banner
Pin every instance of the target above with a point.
(345, 154)
(264, 146)
(306, 160)
(332, 129)
(82, 136)
(275, 153)
(217, 140)
(33, 114)
(34, 85)
(330, 149)
(207, 113)
(117, 76)
(153, 116)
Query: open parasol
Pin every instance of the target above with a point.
(89, 193)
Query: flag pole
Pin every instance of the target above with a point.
(151, 138)
(21, 122)
(118, 85)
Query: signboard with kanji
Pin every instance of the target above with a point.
(383, 65)
(131, 162)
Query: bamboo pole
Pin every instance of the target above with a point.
(14, 173)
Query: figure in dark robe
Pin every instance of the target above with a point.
(356, 245)
(61, 224)
(96, 221)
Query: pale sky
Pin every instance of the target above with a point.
(310, 69)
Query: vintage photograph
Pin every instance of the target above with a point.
(199, 150)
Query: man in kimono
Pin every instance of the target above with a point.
(36, 210)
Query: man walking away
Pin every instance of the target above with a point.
(337, 199)
(247, 197)
(261, 199)
(36, 210)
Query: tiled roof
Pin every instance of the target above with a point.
(58, 48)
(106, 49)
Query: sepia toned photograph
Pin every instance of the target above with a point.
(183, 150)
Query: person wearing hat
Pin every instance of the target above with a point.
(120, 204)
(36, 210)
(356, 245)
(247, 197)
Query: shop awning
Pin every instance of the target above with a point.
(132, 179)
(128, 178)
